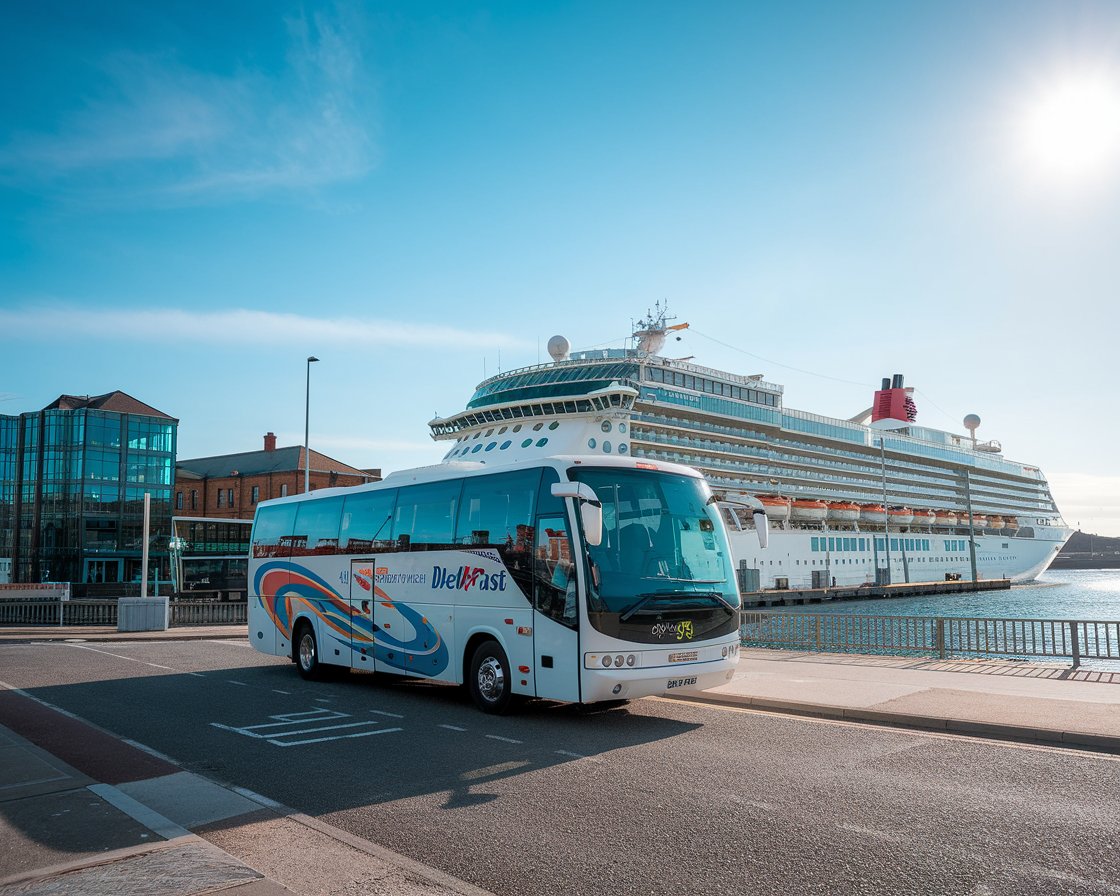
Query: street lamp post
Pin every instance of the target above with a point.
(307, 428)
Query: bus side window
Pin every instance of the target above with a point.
(272, 531)
(316, 527)
(366, 521)
(498, 510)
(425, 514)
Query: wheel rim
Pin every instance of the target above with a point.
(307, 652)
(491, 679)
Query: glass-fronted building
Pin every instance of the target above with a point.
(72, 483)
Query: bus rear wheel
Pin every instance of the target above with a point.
(307, 653)
(491, 683)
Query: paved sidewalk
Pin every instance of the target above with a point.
(1019, 701)
(109, 633)
(82, 812)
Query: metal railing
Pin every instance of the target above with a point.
(104, 612)
(942, 637)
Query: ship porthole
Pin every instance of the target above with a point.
(591, 443)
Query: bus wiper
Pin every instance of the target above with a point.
(642, 600)
(646, 598)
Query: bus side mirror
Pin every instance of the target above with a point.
(590, 508)
(761, 523)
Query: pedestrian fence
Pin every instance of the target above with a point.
(943, 637)
(104, 612)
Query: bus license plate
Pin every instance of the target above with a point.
(680, 683)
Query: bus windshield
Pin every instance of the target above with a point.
(664, 546)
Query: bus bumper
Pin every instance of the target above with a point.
(629, 684)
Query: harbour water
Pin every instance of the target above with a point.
(1081, 594)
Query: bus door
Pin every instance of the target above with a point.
(362, 599)
(556, 616)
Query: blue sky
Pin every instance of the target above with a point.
(195, 200)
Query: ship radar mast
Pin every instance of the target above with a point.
(651, 330)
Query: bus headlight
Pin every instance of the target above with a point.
(606, 662)
(618, 661)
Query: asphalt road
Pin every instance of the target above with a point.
(658, 797)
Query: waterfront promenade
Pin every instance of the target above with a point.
(132, 816)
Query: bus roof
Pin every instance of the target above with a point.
(469, 469)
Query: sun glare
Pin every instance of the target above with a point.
(1070, 130)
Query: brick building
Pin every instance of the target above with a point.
(230, 486)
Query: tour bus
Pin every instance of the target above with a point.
(565, 578)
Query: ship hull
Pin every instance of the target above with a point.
(851, 558)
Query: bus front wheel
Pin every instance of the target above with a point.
(307, 653)
(490, 682)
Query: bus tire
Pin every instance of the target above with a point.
(306, 652)
(491, 684)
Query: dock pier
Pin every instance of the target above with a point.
(794, 597)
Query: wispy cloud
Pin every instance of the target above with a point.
(168, 132)
(239, 326)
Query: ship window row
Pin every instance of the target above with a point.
(556, 374)
(811, 424)
(538, 393)
(671, 377)
(1027, 489)
(839, 545)
(938, 492)
(757, 482)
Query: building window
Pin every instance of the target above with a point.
(229, 496)
(178, 500)
(194, 499)
(256, 494)
(284, 490)
(221, 497)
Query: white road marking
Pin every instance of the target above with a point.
(452, 727)
(572, 755)
(391, 715)
(131, 659)
(282, 728)
(241, 683)
(508, 740)
(319, 740)
(278, 691)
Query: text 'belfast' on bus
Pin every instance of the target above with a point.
(560, 578)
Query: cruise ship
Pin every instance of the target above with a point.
(872, 499)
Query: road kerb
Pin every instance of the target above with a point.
(1101, 743)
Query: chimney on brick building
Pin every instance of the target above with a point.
(270, 441)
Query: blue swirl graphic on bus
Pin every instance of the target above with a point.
(284, 591)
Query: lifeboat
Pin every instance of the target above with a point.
(1011, 522)
(945, 518)
(923, 518)
(979, 521)
(995, 522)
(776, 508)
(842, 511)
(804, 509)
(901, 516)
(873, 513)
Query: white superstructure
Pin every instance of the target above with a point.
(847, 500)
